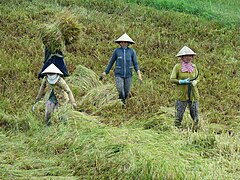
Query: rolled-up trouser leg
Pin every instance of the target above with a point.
(193, 107)
(180, 109)
(120, 88)
(127, 85)
(48, 112)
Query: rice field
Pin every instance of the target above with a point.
(104, 139)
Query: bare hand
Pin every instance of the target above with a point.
(102, 76)
(74, 106)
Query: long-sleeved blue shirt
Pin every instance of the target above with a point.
(125, 59)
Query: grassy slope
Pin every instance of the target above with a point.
(225, 12)
(158, 152)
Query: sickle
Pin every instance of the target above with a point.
(196, 76)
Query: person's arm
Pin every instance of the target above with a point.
(41, 90)
(135, 65)
(65, 86)
(110, 64)
(174, 76)
(135, 61)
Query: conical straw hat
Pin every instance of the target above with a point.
(126, 38)
(185, 51)
(52, 69)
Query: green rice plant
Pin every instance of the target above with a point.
(85, 148)
(7, 121)
(39, 109)
(161, 121)
(18, 161)
(17, 122)
(220, 11)
(216, 128)
(201, 141)
(228, 146)
(156, 47)
(5, 104)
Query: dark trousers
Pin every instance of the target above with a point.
(123, 87)
(180, 109)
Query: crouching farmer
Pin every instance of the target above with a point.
(57, 91)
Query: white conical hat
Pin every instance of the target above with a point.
(185, 51)
(126, 38)
(52, 69)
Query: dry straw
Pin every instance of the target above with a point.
(69, 26)
(100, 98)
(83, 79)
(52, 37)
(65, 30)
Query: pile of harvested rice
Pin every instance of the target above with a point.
(69, 26)
(65, 30)
(83, 79)
(52, 37)
(99, 98)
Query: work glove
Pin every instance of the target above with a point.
(184, 81)
(194, 82)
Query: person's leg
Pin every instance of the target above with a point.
(48, 112)
(120, 88)
(193, 107)
(180, 109)
(127, 85)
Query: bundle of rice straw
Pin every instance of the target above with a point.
(83, 79)
(69, 26)
(52, 37)
(100, 97)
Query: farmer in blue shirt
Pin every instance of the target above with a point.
(125, 59)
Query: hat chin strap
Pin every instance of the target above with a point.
(53, 78)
